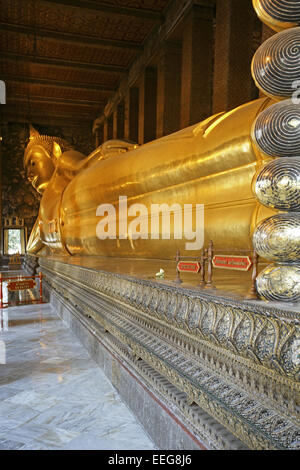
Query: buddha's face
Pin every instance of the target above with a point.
(39, 168)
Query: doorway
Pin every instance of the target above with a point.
(14, 241)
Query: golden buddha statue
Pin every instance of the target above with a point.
(242, 167)
(212, 164)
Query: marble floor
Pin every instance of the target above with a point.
(53, 396)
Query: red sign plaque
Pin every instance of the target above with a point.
(239, 263)
(188, 267)
(21, 285)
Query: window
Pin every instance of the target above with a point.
(14, 241)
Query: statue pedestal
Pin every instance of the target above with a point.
(198, 368)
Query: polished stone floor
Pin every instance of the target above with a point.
(53, 396)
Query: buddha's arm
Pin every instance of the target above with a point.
(88, 161)
(71, 162)
(35, 242)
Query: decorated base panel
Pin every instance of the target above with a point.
(224, 371)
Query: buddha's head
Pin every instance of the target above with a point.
(41, 157)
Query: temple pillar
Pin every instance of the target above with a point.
(97, 142)
(168, 89)
(120, 120)
(99, 135)
(131, 112)
(197, 63)
(147, 105)
(110, 127)
(127, 115)
(266, 33)
(115, 124)
(105, 131)
(233, 85)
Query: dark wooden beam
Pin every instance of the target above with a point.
(154, 16)
(62, 36)
(31, 108)
(12, 112)
(206, 3)
(50, 119)
(57, 83)
(50, 62)
(44, 99)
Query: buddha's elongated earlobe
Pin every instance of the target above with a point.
(56, 150)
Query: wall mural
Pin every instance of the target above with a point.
(18, 196)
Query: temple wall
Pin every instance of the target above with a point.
(19, 199)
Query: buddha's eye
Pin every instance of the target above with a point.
(32, 163)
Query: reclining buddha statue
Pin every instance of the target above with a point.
(241, 167)
(211, 164)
